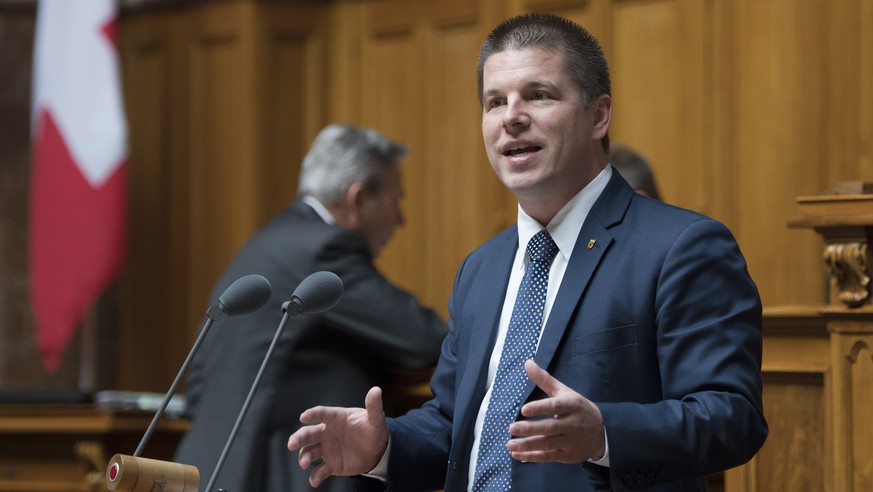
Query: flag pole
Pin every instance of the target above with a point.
(87, 348)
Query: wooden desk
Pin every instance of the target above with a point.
(65, 448)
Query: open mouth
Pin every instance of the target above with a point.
(521, 150)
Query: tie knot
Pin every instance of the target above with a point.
(541, 247)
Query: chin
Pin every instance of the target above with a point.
(520, 184)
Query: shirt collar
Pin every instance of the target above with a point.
(319, 208)
(565, 226)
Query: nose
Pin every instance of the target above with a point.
(515, 116)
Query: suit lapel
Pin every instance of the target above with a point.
(576, 278)
(607, 212)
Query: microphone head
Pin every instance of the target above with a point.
(318, 292)
(245, 295)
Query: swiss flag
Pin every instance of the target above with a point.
(77, 201)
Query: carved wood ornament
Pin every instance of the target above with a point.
(847, 263)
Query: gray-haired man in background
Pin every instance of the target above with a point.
(347, 209)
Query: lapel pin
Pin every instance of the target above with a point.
(591, 243)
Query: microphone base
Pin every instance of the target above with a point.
(127, 473)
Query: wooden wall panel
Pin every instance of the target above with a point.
(291, 98)
(844, 93)
(465, 202)
(152, 292)
(849, 93)
(721, 62)
(777, 140)
(659, 66)
(224, 99)
(283, 95)
(424, 94)
(593, 15)
(864, 101)
(687, 77)
(723, 184)
(222, 199)
(391, 102)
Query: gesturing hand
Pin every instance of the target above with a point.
(341, 441)
(566, 428)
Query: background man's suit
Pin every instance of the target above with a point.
(642, 325)
(337, 356)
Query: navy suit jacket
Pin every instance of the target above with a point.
(658, 323)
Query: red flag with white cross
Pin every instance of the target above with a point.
(79, 137)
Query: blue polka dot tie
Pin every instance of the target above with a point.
(494, 464)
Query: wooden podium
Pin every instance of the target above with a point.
(818, 366)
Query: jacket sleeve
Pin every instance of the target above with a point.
(422, 438)
(384, 318)
(708, 332)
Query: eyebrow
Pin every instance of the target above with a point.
(531, 85)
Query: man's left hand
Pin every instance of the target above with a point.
(566, 427)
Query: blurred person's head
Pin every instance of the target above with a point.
(355, 174)
(635, 170)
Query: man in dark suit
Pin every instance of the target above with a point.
(350, 189)
(644, 370)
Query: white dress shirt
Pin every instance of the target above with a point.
(319, 208)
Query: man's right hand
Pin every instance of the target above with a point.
(342, 441)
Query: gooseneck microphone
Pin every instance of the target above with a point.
(246, 294)
(316, 293)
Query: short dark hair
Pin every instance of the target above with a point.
(583, 57)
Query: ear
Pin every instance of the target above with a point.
(602, 107)
(354, 203)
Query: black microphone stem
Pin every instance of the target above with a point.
(172, 390)
(248, 402)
